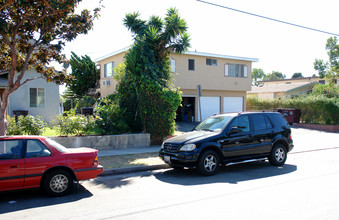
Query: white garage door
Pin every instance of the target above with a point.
(209, 106)
(233, 104)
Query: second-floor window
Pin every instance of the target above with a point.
(191, 64)
(37, 97)
(211, 62)
(108, 69)
(235, 70)
(173, 65)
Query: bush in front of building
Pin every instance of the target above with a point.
(25, 125)
(110, 117)
(72, 124)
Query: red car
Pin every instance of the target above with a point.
(35, 161)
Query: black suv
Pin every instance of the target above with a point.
(225, 139)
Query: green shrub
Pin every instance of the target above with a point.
(314, 109)
(28, 125)
(71, 124)
(159, 107)
(329, 90)
(15, 127)
(111, 120)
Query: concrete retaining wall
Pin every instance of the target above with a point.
(328, 128)
(106, 142)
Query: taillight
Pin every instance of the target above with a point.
(96, 162)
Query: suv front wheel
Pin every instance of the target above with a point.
(278, 155)
(208, 163)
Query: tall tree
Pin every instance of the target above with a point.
(275, 75)
(257, 74)
(32, 35)
(85, 75)
(330, 69)
(145, 90)
(297, 75)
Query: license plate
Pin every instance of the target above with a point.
(167, 159)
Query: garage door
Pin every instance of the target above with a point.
(209, 106)
(233, 104)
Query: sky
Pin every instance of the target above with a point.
(279, 47)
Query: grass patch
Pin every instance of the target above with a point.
(48, 132)
(130, 160)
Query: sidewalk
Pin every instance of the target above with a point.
(116, 152)
(304, 140)
(181, 126)
(139, 150)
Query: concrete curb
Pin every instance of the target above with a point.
(117, 171)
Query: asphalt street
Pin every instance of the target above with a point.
(306, 187)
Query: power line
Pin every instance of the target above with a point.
(272, 19)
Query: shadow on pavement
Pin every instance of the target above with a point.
(33, 198)
(230, 174)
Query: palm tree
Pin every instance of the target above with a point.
(159, 37)
(145, 91)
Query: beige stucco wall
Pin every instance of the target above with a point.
(209, 77)
(117, 59)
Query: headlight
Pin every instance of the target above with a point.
(188, 147)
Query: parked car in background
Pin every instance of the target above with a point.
(35, 161)
(226, 139)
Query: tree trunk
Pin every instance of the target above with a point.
(3, 113)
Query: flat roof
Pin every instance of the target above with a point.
(194, 53)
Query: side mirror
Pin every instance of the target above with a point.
(234, 130)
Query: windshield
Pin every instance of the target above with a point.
(215, 123)
(58, 146)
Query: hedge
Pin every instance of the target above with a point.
(314, 109)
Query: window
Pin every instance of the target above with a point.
(235, 70)
(242, 123)
(106, 83)
(268, 123)
(36, 149)
(259, 122)
(37, 97)
(173, 65)
(109, 69)
(190, 64)
(10, 149)
(211, 62)
(322, 82)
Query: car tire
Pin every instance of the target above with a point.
(58, 183)
(278, 155)
(208, 163)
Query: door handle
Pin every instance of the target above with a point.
(16, 166)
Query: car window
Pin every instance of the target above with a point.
(279, 120)
(215, 123)
(58, 146)
(268, 123)
(10, 149)
(242, 123)
(259, 122)
(36, 149)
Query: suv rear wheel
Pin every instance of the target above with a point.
(208, 163)
(278, 155)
